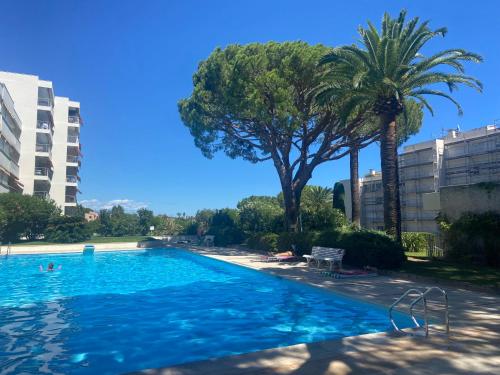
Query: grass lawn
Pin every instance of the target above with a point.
(451, 271)
(97, 239)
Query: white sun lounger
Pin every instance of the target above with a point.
(325, 254)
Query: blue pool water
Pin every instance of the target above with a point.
(122, 311)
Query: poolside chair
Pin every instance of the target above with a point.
(325, 254)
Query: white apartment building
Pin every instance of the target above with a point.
(10, 146)
(425, 170)
(50, 146)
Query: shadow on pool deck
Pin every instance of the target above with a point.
(473, 347)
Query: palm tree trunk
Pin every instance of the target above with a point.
(355, 196)
(390, 176)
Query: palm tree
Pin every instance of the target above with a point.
(386, 70)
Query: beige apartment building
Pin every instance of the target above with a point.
(50, 149)
(10, 145)
(436, 176)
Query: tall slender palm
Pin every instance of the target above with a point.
(387, 69)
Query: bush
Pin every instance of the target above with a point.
(473, 238)
(225, 236)
(223, 226)
(263, 241)
(66, 229)
(24, 216)
(303, 242)
(364, 248)
(416, 242)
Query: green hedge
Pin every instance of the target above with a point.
(416, 242)
(263, 241)
(365, 248)
(302, 241)
(473, 238)
(67, 229)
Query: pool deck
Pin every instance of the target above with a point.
(473, 347)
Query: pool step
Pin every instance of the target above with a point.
(422, 298)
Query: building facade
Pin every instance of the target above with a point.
(460, 160)
(50, 149)
(10, 145)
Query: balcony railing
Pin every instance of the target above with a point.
(47, 102)
(70, 199)
(72, 158)
(43, 147)
(74, 119)
(72, 179)
(72, 139)
(41, 194)
(43, 125)
(43, 171)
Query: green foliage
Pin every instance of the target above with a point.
(25, 216)
(260, 214)
(317, 210)
(263, 241)
(204, 218)
(67, 229)
(166, 226)
(225, 229)
(301, 241)
(116, 222)
(473, 238)
(389, 66)
(145, 220)
(365, 248)
(416, 242)
(338, 197)
(239, 88)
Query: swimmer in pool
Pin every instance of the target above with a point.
(50, 267)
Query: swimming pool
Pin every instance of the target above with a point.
(127, 310)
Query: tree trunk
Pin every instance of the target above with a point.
(292, 205)
(390, 176)
(355, 196)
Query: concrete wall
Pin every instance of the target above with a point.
(477, 198)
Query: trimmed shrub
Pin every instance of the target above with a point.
(364, 248)
(416, 242)
(263, 241)
(474, 238)
(225, 236)
(67, 229)
(372, 248)
(303, 242)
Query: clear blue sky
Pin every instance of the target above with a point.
(129, 62)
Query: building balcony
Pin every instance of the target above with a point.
(73, 139)
(43, 173)
(72, 179)
(43, 150)
(73, 159)
(44, 127)
(75, 120)
(41, 194)
(70, 200)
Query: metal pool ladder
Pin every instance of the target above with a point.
(421, 297)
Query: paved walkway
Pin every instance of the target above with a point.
(473, 348)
